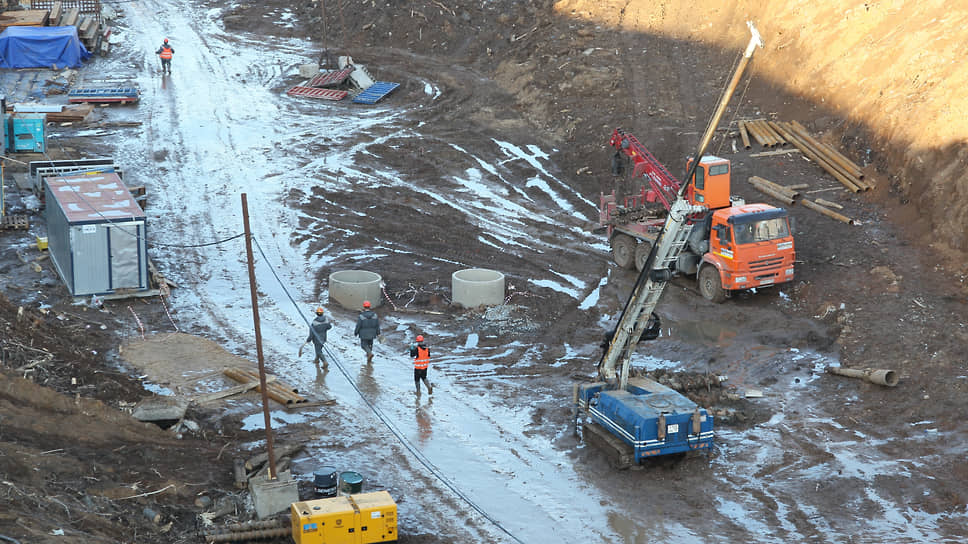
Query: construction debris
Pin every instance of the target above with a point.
(354, 77)
(887, 378)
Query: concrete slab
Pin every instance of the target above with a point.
(158, 409)
(308, 70)
(273, 496)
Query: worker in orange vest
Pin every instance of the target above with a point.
(165, 52)
(421, 360)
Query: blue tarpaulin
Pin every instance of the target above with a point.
(41, 47)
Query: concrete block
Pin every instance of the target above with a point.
(160, 410)
(308, 70)
(273, 496)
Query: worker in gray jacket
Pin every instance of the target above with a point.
(367, 328)
(317, 335)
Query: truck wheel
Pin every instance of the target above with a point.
(710, 285)
(642, 254)
(623, 250)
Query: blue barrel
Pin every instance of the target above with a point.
(350, 483)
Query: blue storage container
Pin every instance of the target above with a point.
(27, 133)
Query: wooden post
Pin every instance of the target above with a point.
(258, 337)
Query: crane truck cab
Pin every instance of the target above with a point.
(710, 186)
(749, 246)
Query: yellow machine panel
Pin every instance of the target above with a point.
(364, 518)
(378, 517)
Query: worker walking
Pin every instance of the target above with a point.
(367, 328)
(421, 360)
(317, 335)
(165, 53)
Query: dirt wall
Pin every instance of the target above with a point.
(893, 69)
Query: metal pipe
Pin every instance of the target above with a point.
(822, 150)
(792, 193)
(263, 534)
(772, 192)
(757, 134)
(755, 40)
(836, 154)
(775, 134)
(810, 153)
(764, 129)
(826, 211)
(877, 376)
(744, 135)
(827, 203)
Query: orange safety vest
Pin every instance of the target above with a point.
(423, 358)
(165, 52)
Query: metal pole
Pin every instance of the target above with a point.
(258, 338)
(755, 40)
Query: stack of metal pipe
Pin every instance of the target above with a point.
(761, 131)
(831, 160)
(784, 194)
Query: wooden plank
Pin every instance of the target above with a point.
(236, 390)
(70, 18)
(73, 112)
(85, 25)
(309, 404)
(27, 17)
(56, 11)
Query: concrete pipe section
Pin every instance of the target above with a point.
(475, 287)
(351, 287)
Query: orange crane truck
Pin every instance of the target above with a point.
(736, 246)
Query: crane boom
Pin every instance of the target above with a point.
(634, 320)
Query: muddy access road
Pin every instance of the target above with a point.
(452, 171)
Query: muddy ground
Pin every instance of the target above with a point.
(866, 295)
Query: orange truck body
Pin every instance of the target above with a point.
(745, 245)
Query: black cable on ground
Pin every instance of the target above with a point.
(383, 418)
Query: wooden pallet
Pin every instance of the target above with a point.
(330, 78)
(311, 92)
(14, 222)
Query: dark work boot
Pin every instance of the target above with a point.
(369, 358)
(430, 388)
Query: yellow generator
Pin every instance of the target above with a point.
(364, 518)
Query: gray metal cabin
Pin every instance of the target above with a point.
(96, 234)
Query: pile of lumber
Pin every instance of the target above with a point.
(27, 17)
(71, 114)
(84, 14)
(276, 390)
